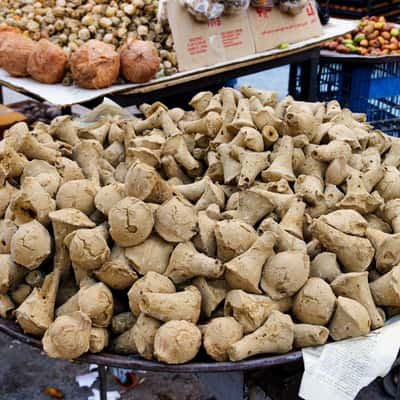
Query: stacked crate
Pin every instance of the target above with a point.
(356, 9)
(363, 86)
(371, 88)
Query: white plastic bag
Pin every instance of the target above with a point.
(204, 10)
(291, 7)
(162, 14)
(232, 7)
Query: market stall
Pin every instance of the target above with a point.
(227, 47)
(306, 52)
(239, 231)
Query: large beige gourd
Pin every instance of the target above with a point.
(227, 220)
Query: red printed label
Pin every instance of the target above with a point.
(310, 9)
(214, 22)
(286, 28)
(232, 38)
(197, 45)
(263, 12)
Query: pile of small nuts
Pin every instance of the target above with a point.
(374, 36)
(70, 23)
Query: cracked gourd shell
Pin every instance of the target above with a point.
(131, 222)
(88, 249)
(176, 221)
(31, 245)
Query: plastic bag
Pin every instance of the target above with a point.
(162, 14)
(291, 7)
(204, 10)
(232, 7)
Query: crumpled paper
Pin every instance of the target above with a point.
(114, 395)
(87, 380)
(339, 370)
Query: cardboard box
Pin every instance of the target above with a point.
(198, 45)
(270, 27)
(228, 38)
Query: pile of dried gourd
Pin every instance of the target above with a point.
(245, 226)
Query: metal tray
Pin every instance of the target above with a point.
(200, 364)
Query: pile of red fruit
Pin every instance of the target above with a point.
(373, 37)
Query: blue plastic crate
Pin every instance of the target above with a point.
(373, 89)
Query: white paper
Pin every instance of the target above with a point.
(339, 370)
(87, 380)
(61, 95)
(114, 395)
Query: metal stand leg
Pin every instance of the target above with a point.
(1, 95)
(67, 110)
(293, 90)
(103, 382)
(309, 78)
(224, 386)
